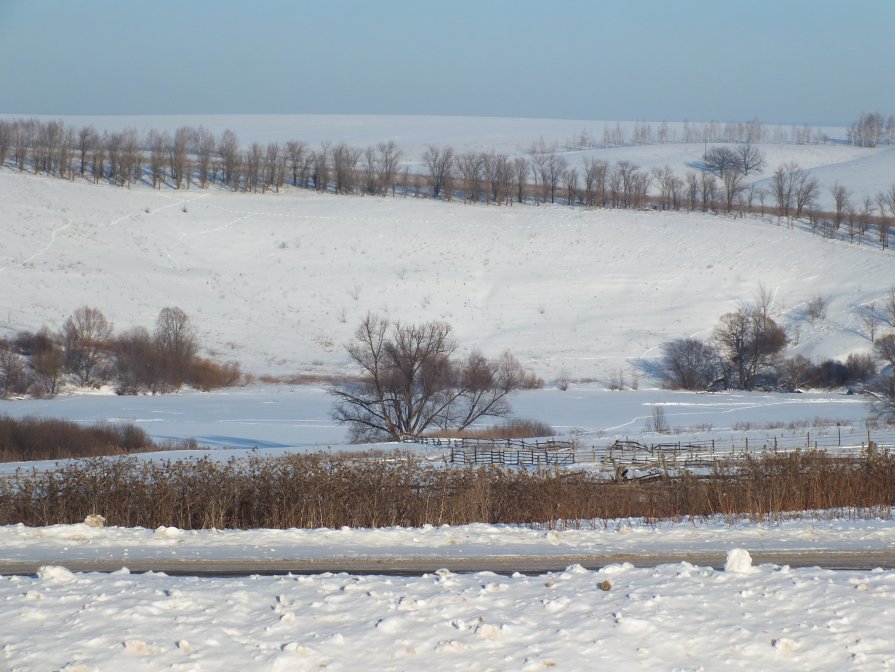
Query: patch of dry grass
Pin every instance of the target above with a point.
(322, 490)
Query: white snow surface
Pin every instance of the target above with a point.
(279, 283)
(274, 419)
(672, 617)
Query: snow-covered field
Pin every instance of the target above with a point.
(672, 617)
(280, 281)
(271, 420)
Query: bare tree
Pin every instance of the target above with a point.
(229, 152)
(498, 176)
(86, 335)
(6, 131)
(471, 166)
(157, 143)
(595, 172)
(841, 200)
(296, 151)
(556, 168)
(521, 170)
(750, 158)
(48, 361)
(544, 168)
(204, 140)
(807, 191)
(750, 340)
(21, 142)
(272, 167)
(14, 378)
(794, 190)
(888, 308)
(320, 167)
(719, 160)
(411, 381)
(795, 371)
(734, 185)
(884, 348)
(692, 189)
(132, 157)
(689, 364)
(883, 392)
(388, 161)
(708, 191)
(252, 162)
(112, 142)
(97, 160)
(660, 175)
(867, 130)
(886, 199)
(137, 363)
(570, 181)
(631, 182)
(87, 139)
(177, 155)
(66, 152)
(368, 171)
(870, 318)
(344, 160)
(176, 344)
(439, 163)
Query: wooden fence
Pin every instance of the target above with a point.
(506, 452)
(626, 459)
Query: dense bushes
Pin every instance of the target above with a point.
(43, 439)
(312, 491)
(746, 352)
(88, 353)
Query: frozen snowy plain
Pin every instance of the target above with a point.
(279, 282)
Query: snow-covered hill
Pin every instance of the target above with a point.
(280, 281)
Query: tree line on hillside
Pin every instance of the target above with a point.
(196, 157)
(86, 352)
(746, 349)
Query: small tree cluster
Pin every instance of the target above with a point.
(87, 352)
(799, 372)
(746, 343)
(689, 364)
(870, 129)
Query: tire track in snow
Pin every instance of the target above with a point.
(45, 249)
(745, 406)
(205, 232)
(181, 201)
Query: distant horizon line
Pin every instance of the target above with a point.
(45, 115)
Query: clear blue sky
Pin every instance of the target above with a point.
(783, 61)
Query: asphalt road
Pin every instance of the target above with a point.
(410, 566)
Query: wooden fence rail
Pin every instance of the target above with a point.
(625, 458)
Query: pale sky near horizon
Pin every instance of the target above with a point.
(818, 62)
